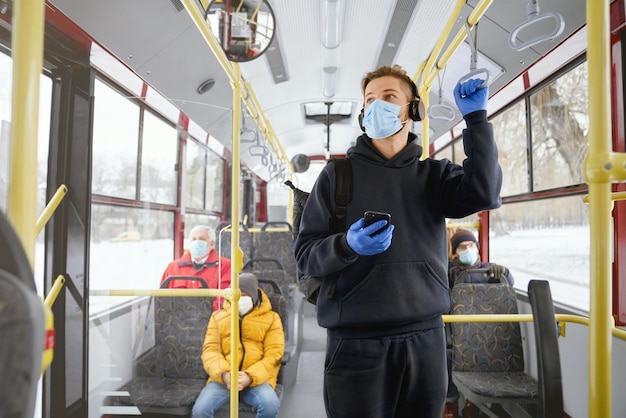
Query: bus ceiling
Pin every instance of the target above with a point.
(293, 54)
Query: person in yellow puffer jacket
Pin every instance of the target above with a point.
(260, 350)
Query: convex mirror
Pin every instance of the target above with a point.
(244, 28)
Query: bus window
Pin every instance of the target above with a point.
(545, 239)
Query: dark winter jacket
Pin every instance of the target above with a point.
(406, 287)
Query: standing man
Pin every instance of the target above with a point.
(200, 261)
(382, 301)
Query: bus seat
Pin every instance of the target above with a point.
(223, 240)
(270, 269)
(22, 326)
(21, 347)
(288, 368)
(488, 361)
(277, 245)
(170, 375)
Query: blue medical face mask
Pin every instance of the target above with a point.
(469, 256)
(198, 248)
(381, 119)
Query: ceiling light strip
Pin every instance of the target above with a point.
(397, 28)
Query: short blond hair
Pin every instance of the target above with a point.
(394, 71)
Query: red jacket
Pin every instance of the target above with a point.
(210, 271)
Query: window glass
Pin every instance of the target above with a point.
(43, 139)
(159, 176)
(510, 134)
(45, 104)
(115, 139)
(214, 183)
(444, 153)
(194, 175)
(521, 234)
(6, 89)
(560, 125)
(459, 154)
(140, 240)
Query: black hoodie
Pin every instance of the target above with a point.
(406, 287)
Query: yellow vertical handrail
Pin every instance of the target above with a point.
(598, 169)
(234, 76)
(428, 66)
(234, 215)
(27, 50)
(472, 20)
(429, 70)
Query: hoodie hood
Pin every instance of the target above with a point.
(365, 150)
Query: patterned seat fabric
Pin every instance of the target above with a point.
(223, 240)
(488, 361)
(270, 270)
(277, 245)
(171, 375)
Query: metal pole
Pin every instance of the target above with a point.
(598, 168)
(27, 50)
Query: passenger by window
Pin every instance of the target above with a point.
(260, 347)
(466, 267)
(466, 260)
(201, 261)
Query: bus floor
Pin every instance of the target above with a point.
(305, 398)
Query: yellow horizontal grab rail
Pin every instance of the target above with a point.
(576, 319)
(227, 293)
(614, 196)
(50, 208)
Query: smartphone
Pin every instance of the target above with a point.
(371, 216)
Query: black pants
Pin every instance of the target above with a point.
(400, 376)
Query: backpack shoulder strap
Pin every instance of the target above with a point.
(343, 193)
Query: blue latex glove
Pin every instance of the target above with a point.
(361, 241)
(469, 97)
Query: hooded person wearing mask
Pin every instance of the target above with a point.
(465, 248)
(260, 347)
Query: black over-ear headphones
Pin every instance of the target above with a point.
(416, 107)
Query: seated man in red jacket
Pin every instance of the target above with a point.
(203, 261)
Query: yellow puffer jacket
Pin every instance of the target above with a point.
(263, 344)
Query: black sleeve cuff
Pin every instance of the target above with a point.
(475, 117)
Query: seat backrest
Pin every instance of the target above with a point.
(22, 327)
(548, 358)
(486, 346)
(281, 307)
(269, 270)
(180, 327)
(277, 245)
(223, 240)
(21, 346)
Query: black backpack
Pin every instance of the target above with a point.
(310, 285)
